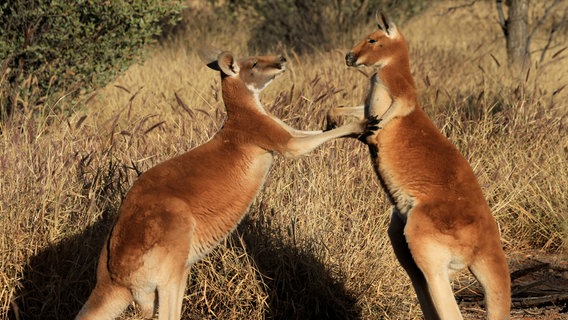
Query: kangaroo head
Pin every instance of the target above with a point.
(379, 47)
(255, 72)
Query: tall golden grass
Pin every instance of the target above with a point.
(314, 244)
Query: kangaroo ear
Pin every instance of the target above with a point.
(209, 56)
(386, 25)
(228, 64)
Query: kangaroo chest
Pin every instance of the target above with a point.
(378, 99)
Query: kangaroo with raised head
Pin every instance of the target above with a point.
(179, 210)
(441, 222)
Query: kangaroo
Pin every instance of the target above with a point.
(177, 211)
(441, 222)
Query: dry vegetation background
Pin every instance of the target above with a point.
(314, 243)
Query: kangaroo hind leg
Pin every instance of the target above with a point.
(434, 260)
(107, 301)
(492, 272)
(146, 301)
(171, 295)
(404, 257)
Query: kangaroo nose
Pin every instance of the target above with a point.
(350, 59)
(282, 59)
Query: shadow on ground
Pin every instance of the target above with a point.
(57, 281)
(299, 285)
(539, 288)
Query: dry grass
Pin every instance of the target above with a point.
(314, 243)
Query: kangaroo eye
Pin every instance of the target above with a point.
(254, 63)
(372, 40)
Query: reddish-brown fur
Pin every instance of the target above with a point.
(441, 221)
(177, 211)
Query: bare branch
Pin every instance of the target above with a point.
(450, 9)
(559, 52)
(541, 20)
(523, 272)
(535, 301)
(548, 42)
(521, 302)
(502, 21)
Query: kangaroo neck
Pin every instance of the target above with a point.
(396, 76)
(238, 98)
(393, 92)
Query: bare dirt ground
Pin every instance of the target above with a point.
(539, 288)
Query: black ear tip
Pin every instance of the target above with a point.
(213, 65)
(383, 22)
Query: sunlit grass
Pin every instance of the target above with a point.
(314, 243)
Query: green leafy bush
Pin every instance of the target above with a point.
(60, 46)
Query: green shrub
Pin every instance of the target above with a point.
(49, 46)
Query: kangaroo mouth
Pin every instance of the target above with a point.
(280, 69)
(281, 65)
(351, 59)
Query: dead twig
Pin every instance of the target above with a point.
(537, 301)
(451, 9)
(523, 272)
(502, 21)
(541, 21)
(523, 302)
(553, 29)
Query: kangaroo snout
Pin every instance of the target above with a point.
(350, 59)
